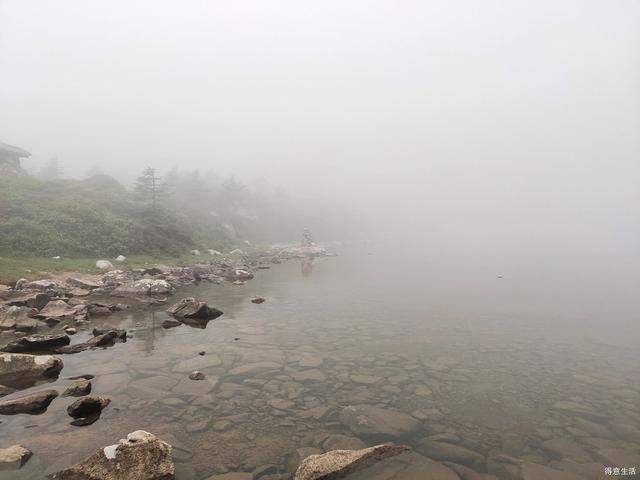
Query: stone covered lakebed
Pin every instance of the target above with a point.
(477, 378)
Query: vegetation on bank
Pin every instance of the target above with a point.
(34, 268)
(98, 217)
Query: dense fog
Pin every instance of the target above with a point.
(518, 119)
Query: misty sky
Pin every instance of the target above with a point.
(508, 111)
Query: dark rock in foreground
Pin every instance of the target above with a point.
(258, 300)
(339, 463)
(32, 403)
(14, 457)
(192, 308)
(141, 456)
(36, 342)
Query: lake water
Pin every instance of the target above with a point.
(498, 356)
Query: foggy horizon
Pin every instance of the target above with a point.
(456, 112)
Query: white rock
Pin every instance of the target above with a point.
(214, 252)
(120, 258)
(14, 457)
(195, 252)
(237, 251)
(57, 257)
(104, 264)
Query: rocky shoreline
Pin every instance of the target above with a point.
(64, 304)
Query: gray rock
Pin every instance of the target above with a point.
(32, 403)
(24, 370)
(36, 342)
(339, 463)
(14, 457)
(59, 309)
(78, 388)
(141, 456)
(145, 286)
(83, 283)
(42, 285)
(192, 308)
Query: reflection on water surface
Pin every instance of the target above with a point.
(481, 367)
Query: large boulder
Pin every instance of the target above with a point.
(22, 370)
(142, 287)
(18, 319)
(14, 457)
(192, 308)
(33, 343)
(141, 456)
(339, 463)
(378, 423)
(31, 300)
(31, 403)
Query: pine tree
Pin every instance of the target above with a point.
(149, 187)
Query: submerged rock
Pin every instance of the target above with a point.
(22, 370)
(36, 342)
(258, 300)
(339, 463)
(14, 457)
(32, 403)
(196, 375)
(443, 451)
(378, 423)
(192, 308)
(141, 456)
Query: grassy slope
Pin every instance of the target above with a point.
(92, 218)
(33, 268)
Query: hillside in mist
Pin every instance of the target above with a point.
(47, 215)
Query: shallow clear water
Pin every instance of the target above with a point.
(484, 351)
